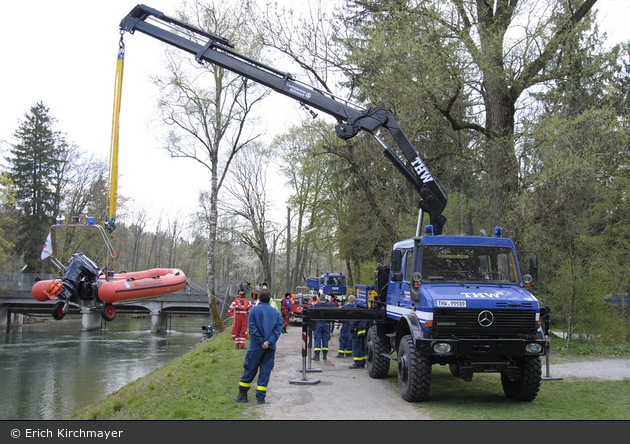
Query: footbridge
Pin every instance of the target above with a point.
(17, 303)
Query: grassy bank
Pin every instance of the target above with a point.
(198, 385)
(202, 383)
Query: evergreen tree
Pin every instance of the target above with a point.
(8, 222)
(34, 165)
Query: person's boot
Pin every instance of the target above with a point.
(242, 395)
(325, 353)
(316, 356)
(260, 397)
(356, 364)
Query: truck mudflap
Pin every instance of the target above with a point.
(480, 349)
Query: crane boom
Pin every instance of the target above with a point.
(207, 47)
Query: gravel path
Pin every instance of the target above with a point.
(332, 391)
(607, 369)
(329, 391)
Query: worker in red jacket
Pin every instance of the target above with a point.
(239, 309)
(285, 311)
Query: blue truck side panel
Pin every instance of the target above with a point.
(313, 283)
(363, 294)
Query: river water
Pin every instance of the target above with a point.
(50, 369)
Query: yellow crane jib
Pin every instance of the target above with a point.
(110, 222)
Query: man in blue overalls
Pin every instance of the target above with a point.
(345, 336)
(359, 343)
(322, 333)
(265, 327)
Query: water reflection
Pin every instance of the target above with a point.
(51, 369)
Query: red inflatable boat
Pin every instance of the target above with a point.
(122, 286)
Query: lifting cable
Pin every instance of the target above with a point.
(110, 222)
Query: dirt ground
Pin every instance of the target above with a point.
(329, 390)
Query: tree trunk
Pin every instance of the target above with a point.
(210, 267)
(502, 165)
(350, 279)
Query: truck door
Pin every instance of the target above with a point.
(398, 294)
(405, 285)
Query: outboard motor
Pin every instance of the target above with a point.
(79, 274)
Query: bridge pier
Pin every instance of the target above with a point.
(7, 318)
(90, 320)
(4, 317)
(16, 318)
(158, 322)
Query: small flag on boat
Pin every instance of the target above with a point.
(47, 250)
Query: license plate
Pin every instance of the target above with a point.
(451, 303)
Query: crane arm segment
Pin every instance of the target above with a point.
(207, 47)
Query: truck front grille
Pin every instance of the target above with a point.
(465, 322)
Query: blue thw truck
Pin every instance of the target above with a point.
(328, 284)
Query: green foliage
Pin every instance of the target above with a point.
(589, 348)
(577, 201)
(8, 218)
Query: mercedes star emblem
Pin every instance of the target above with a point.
(485, 318)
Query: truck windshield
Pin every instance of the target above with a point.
(337, 280)
(468, 264)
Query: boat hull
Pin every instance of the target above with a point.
(124, 286)
(140, 285)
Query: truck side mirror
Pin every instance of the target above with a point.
(396, 265)
(533, 267)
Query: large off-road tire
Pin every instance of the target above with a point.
(526, 387)
(414, 372)
(377, 363)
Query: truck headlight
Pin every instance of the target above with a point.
(533, 347)
(442, 347)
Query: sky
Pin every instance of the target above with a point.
(63, 53)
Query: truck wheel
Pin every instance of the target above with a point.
(526, 387)
(377, 364)
(414, 372)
